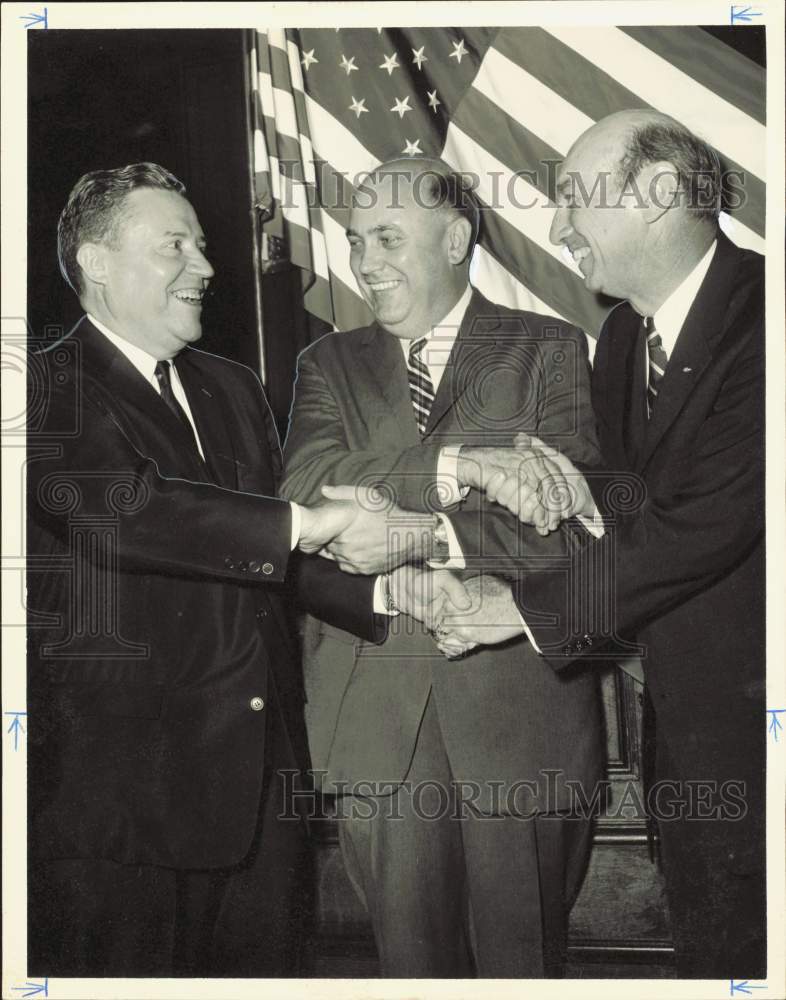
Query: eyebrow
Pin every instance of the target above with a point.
(178, 232)
(374, 229)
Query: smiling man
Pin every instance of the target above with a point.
(465, 863)
(164, 689)
(678, 388)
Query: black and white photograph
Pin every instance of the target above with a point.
(393, 487)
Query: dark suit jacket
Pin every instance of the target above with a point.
(155, 608)
(681, 570)
(504, 714)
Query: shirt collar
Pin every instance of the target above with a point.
(446, 331)
(144, 363)
(669, 319)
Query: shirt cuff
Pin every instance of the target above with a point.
(530, 636)
(379, 603)
(594, 524)
(297, 520)
(455, 558)
(448, 488)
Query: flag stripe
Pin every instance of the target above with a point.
(710, 62)
(556, 120)
(662, 85)
(596, 94)
(527, 208)
(548, 279)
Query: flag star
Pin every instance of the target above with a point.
(419, 58)
(412, 148)
(359, 107)
(390, 63)
(348, 65)
(401, 107)
(308, 58)
(433, 100)
(459, 50)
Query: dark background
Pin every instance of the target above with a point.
(100, 99)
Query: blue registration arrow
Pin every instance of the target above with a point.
(743, 987)
(16, 727)
(744, 14)
(33, 989)
(34, 19)
(775, 722)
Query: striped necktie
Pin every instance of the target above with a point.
(421, 388)
(657, 363)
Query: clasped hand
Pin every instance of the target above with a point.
(532, 480)
(362, 530)
(492, 617)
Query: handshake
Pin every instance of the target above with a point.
(366, 533)
(459, 614)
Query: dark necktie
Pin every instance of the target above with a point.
(658, 360)
(164, 379)
(421, 388)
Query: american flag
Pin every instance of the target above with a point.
(502, 104)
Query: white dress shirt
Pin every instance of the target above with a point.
(669, 319)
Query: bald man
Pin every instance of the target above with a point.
(678, 391)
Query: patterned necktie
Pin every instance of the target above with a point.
(657, 363)
(421, 388)
(164, 380)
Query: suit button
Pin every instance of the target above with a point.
(242, 566)
(261, 614)
(254, 566)
(229, 563)
(256, 704)
(267, 568)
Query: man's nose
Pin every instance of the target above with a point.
(199, 264)
(369, 260)
(560, 225)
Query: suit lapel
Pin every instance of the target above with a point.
(210, 417)
(137, 408)
(383, 359)
(479, 319)
(693, 350)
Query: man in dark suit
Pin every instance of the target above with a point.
(450, 831)
(678, 391)
(164, 693)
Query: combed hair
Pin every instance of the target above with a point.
(94, 210)
(697, 164)
(438, 186)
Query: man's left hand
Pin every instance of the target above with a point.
(492, 618)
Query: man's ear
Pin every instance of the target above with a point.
(459, 233)
(661, 189)
(91, 257)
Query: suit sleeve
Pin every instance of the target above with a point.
(343, 600)
(494, 540)
(678, 541)
(316, 585)
(163, 525)
(317, 452)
